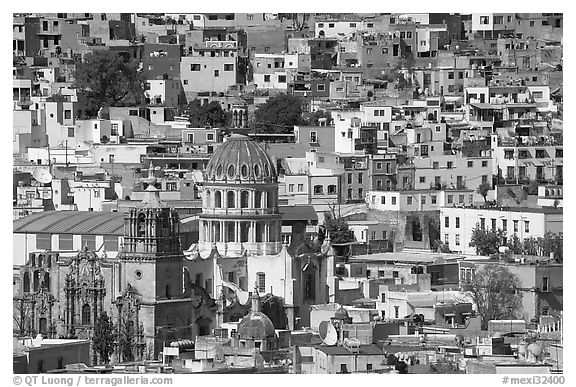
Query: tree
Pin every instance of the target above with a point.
(210, 114)
(299, 20)
(487, 241)
(107, 79)
(483, 190)
(494, 290)
(104, 337)
(273, 307)
(279, 114)
(314, 118)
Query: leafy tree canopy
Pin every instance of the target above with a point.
(486, 241)
(494, 290)
(104, 337)
(483, 190)
(105, 78)
(279, 114)
(210, 114)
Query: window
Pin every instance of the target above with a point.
(423, 199)
(113, 129)
(65, 242)
(422, 179)
(96, 193)
(484, 163)
(360, 176)
(493, 221)
(313, 137)
(261, 282)
(281, 78)
(396, 311)
(470, 164)
(70, 132)
(559, 152)
(267, 78)
(484, 19)
(370, 25)
(447, 221)
(457, 240)
(498, 19)
(290, 187)
(408, 34)
(460, 198)
(320, 25)
(231, 199)
(457, 222)
(318, 190)
(89, 241)
(111, 243)
(330, 25)
(451, 75)
(504, 225)
(449, 164)
(228, 67)
(244, 198)
(450, 199)
(209, 136)
(409, 200)
(331, 189)
(433, 199)
(545, 284)
(216, 73)
(43, 242)
(195, 67)
(393, 200)
(484, 179)
(482, 223)
(86, 314)
(320, 87)
(526, 226)
(515, 226)
(531, 23)
(360, 193)
(435, 165)
(300, 187)
(349, 178)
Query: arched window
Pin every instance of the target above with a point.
(230, 230)
(259, 232)
(168, 295)
(33, 260)
(231, 199)
(331, 189)
(244, 231)
(40, 256)
(43, 326)
(261, 283)
(218, 199)
(318, 190)
(258, 199)
(141, 225)
(86, 314)
(46, 283)
(244, 199)
(26, 282)
(208, 197)
(36, 281)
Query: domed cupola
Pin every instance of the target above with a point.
(240, 201)
(240, 160)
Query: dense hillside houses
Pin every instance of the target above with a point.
(288, 192)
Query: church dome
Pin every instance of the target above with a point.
(240, 159)
(256, 326)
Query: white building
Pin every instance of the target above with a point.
(457, 223)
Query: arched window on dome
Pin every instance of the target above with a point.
(258, 199)
(244, 231)
(231, 199)
(230, 231)
(218, 199)
(244, 199)
(259, 232)
(208, 199)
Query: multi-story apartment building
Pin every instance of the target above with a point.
(269, 72)
(418, 200)
(490, 25)
(161, 61)
(457, 223)
(445, 171)
(523, 158)
(383, 172)
(212, 68)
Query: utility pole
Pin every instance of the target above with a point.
(66, 152)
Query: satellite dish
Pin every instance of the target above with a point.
(328, 333)
(42, 176)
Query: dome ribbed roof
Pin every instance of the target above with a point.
(256, 326)
(341, 314)
(240, 159)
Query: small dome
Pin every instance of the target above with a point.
(256, 326)
(240, 159)
(341, 314)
